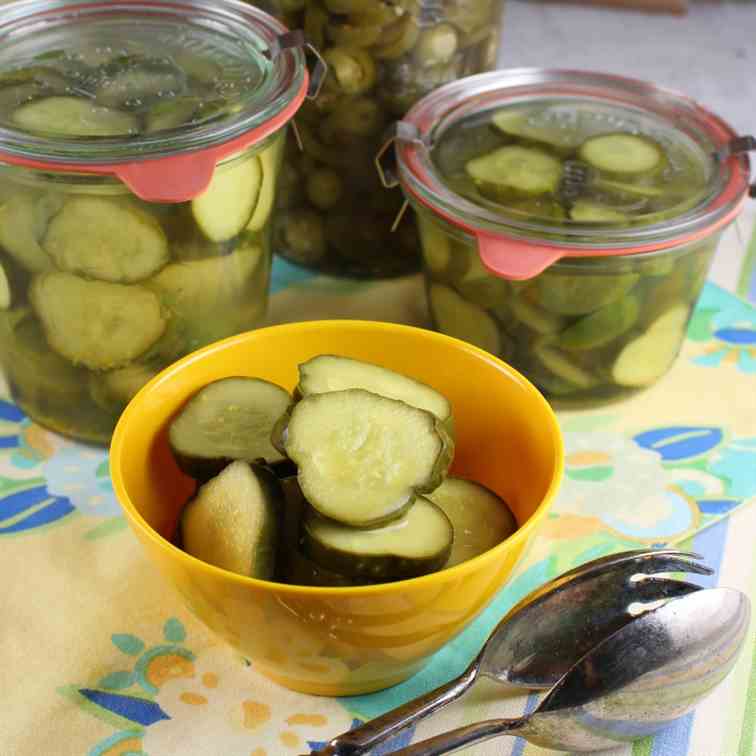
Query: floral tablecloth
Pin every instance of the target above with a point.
(99, 657)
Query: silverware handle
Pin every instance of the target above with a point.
(462, 737)
(367, 736)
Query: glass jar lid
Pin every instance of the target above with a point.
(542, 164)
(155, 92)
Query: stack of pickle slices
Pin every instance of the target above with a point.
(344, 483)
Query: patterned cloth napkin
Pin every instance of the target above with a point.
(98, 656)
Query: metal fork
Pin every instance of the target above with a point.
(546, 633)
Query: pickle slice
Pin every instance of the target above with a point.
(133, 80)
(622, 154)
(225, 208)
(363, 458)
(114, 389)
(37, 374)
(563, 367)
(580, 294)
(601, 327)
(480, 518)
(534, 317)
(417, 543)
(23, 220)
(326, 372)
(229, 419)
(301, 570)
(652, 354)
(96, 324)
(526, 124)
(214, 297)
(586, 211)
(270, 159)
(73, 116)
(515, 171)
(171, 114)
(106, 239)
(478, 284)
(461, 319)
(232, 522)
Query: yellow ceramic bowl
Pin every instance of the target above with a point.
(344, 641)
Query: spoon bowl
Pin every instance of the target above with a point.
(633, 684)
(545, 634)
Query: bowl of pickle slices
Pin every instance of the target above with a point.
(337, 499)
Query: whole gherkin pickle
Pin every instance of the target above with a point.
(383, 56)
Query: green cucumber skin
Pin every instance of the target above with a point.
(202, 470)
(300, 570)
(379, 568)
(278, 430)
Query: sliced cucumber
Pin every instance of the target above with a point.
(553, 385)
(325, 373)
(73, 116)
(37, 374)
(363, 458)
(637, 188)
(215, 297)
(461, 319)
(515, 170)
(133, 81)
(300, 570)
(534, 317)
(523, 124)
(622, 154)
(107, 239)
(225, 208)
(114, 389)
(195, 246)
(23, 220)
(563, 367)
(6, 285)
(417, 543)
(229, 419)
(437, 247)
(602, 326)
(232, 522)
(171, 114)
(652, 354)
(270, 162)
(587, 211)
(96, 324)
(480, 518)
(478, 284)
(580, 294)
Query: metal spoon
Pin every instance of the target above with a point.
(633, 684)
(543, 636)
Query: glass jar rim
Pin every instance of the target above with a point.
(265, 109)
(448, 105)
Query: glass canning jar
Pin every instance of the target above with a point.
(383, 55)
(568, 220)
(140, 150)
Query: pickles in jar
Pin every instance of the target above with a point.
(588, 327)
(101, 290)
(383, 56)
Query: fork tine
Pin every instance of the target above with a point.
(643, 560)
(674, 562)
(658, 588)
